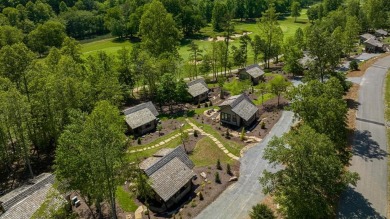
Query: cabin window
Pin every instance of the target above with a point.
(234, 118)
(225, 117)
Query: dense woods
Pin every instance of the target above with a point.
(52, 97)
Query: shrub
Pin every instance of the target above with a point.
(201, 197)
(217, 179)
(228, 170)
(195, 133)
(159, 128)
(198, 105)
(261, 211)
(242, 136)
(353, 65)
(139, 140)
(227, 134)
(219, 167)
(206, 104)
(211, 103)
(262, 125)
(193, 204)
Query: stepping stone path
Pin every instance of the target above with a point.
(159, 144)
(194, 127)
(215, 140)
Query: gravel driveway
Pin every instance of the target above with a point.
(237, 200)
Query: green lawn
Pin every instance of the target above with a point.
(112, 45)
(265, 98)
(236, 86)
(387, 115)
(144, 154)
(207, 153)
(387, 97)
(231, 146)
(125, 200)
(138, 156)
(387, 40)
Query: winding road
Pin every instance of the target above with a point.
(237, 200)
(369, 198)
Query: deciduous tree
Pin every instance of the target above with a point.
(158, 30)
(312, 175)
(295, 10)
(278, 85)
(90, 153)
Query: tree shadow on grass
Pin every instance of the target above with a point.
(354, 205)
(364, 146)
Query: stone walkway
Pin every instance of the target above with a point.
(159, 144)
(215, 140)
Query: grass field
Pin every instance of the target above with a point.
(231, 146)
(133, 157)
(125, 200)
(387, 118)
(112, 45)
(207, 153)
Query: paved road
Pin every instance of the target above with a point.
(369, 198)
(237, 200)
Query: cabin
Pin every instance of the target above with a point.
(170, 173)
(306, 60)
(381, 33)
(198, 90)
(238, 111)
(374, 46)
(142, 118)
(252, 72)
(365, 37)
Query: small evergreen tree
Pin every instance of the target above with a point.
(139, 140)
(219, 167)
(217, 179)
(201, 196)
(228, 170)
(227, 134)
(195, 133)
